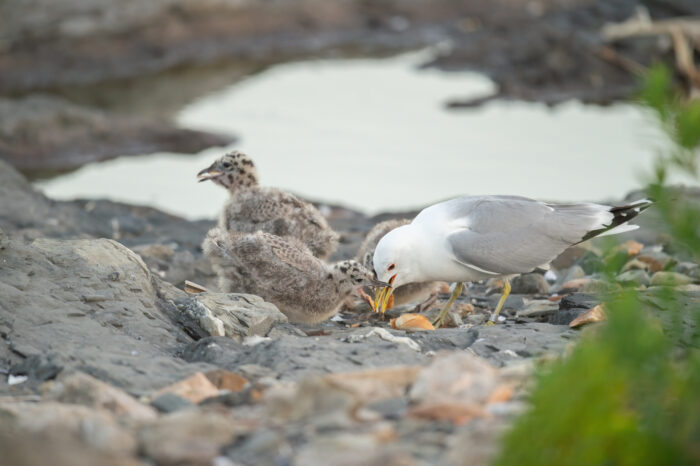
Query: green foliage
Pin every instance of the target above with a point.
(629, 393)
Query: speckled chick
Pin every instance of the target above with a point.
(408, 293)
(252, 207)
(284, 272)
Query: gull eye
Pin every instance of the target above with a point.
(226, 165)
(391, 267)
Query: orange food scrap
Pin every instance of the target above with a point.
(411, 322)
(597, 314)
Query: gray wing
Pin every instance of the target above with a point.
(505, 235)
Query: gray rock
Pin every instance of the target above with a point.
(170, 402)
(670, 279)
(27, 213)
(690, 269)
(445, 339)
(513, 302)
(656, 258)
(37, 368)
(572, 306)
(264, 446)
(633, 277)
(188, 436)
(498, 343)
(572, 273)
(538, 308)
(392, 408)
(91, 427)
(81, 389)
(530, 283)
(293, 357)
(231, 314)
(477, 319)
(128, 336)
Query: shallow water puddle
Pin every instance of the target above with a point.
(374, 134)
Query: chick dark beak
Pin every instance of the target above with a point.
(209, 173)
(378, 284)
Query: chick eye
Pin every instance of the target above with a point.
(227, 165)
(391, 267)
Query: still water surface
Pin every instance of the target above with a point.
(374, 134)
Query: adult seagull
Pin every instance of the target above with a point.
(476, 237)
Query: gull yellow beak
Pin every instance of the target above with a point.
(382, 296)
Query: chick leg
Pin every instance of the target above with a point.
(441, 318)
(501, 302)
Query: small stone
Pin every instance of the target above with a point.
(670, 279)
(240, 315)
(255, 371)
(82, 389)
(531, 283)
(456, 412)
(573, 273)
(37, 369)
(392, 408)
(574, 285)
(477, 319)
(634, 277)
(459, 378)
(225, 380)
(594, 286)
(636, 264)
(170, 402)
(194, 388)
(538, 308)
(94, 427)
(375, 384)
(656, 260)
(452, 319)
(690, 269)
(187, 436)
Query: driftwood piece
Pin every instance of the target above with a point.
(638, 27)
(684, 33)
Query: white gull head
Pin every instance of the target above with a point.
(393, 257)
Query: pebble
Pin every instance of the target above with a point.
(538, 308)
(656, 260)
(170, 402)
(477, 319)
(670, 279)
(636, 277)
(194, 388)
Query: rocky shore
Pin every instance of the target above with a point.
(105, 360)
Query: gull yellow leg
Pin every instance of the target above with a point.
(501, 302)
(455, 294)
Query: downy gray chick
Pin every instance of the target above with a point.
(284, 272)
(252, 207)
